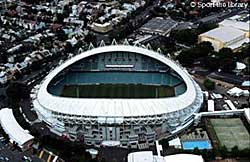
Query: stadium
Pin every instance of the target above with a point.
(117, 95)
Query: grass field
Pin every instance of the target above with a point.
(231, 132)
(117, 91)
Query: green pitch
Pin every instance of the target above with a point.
(117, 91)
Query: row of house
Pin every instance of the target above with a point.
(33, 33)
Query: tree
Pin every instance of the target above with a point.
(164, 143)
(245, 152)
(186, 58)
(196, 151)
(17, 91)
(204, 48)
(187, 36)
(61, 35)
(59, 18)
(212, 62)
(235, 151)
(3, 58)
(36, 65)
(223, 151)
(208, 84)
(227, 59)
(90, 38)
(225, 53)
(206, 27)
(228, 64)
(160, 10)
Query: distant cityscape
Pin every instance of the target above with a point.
(124, 81)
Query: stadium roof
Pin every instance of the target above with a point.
(115, 107)
(224, 34)
(12, 128)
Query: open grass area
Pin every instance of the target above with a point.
(231, 132)
(117, 91)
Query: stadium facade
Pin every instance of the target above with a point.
(117, 95)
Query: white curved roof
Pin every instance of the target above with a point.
(12, 128)
(107, 107)
(183, 158)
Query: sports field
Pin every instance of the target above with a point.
(117, 91)
(231, 132)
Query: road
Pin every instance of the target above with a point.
(226, 77)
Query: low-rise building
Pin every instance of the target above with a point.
(210, 105)
(159, 26)
(102, 28)
(235, 91)
(3, 78)
(176, 143)
(243, 26)
(224, 37)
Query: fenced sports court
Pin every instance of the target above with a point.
(231, 132)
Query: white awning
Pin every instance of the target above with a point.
(12, 128)
(111, 143)
(183, 158)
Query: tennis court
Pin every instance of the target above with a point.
(231, 132)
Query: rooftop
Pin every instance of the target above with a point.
(235, 24)
(159, 25)
(224, 34)
(12, 128)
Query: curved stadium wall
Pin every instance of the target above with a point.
(119, 93)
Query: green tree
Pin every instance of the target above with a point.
(186, 58)
(17, 91)
(245, 153)
(206, 27)
(196, 151)
(90, 38)
(187, 36)
(212, 62)
(223, 151)
(235, 151)
(208, 84)
(227, 59)
(164, 143)
(225, 52)
(203, 49)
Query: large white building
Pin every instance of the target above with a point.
(15, 132)
(231, 33)
(118, 116)
(225, 36)
(243, 26)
